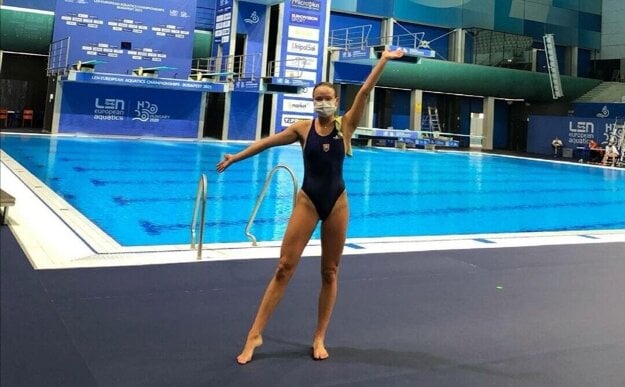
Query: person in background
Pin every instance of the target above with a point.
(556, 145)
(611, 154)
(595, 151)
(325, 140)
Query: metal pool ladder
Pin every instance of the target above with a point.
(262, 196)
(200, 205)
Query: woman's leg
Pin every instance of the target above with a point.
(301, 226)
(333, 234)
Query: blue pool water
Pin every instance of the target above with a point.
(142, 192)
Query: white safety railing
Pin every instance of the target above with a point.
(249, 235)
(290, 68)
(351, 38)
(58, 57)
(226, 68)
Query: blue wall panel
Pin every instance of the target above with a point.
(341, 21)
(252, 20)
(509, 17)
(243, 116)
(599, 110)
(401, 109)
(583, 63)
(446, 13)
(500, 125)
(590, 22)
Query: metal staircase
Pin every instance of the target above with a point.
(435, 125)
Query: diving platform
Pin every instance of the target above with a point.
(87, 66)
(151, 72)
(403, 138)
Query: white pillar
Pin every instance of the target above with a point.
(226, 125)
(386, 31)
(489, 123)
(458, 42)
(416, 113)
(259, 117)
(56, 111)
(200, 122)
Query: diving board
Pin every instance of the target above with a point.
(417, 138)
(206, 75)
(150, 71)
(411, 54)
(87, 66)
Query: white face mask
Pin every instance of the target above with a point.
(325, 108)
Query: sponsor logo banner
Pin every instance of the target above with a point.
(106, 109)
(310, 5)
(574, 132)
(290, 119)
(162, 83)
(304, 33)
(304, 19)
(298, 106)
(299, 47)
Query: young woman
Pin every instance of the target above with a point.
(325, 140)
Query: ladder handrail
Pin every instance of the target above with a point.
(552, 66)
(618, 133)
(200, 198)
(262, 196)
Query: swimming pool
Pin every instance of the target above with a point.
(142, 191)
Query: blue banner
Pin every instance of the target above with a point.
(115, 110)
(599, 110)
(573, 131)
(355, 54)
(223, 26)
(302, 53)
(126, 35)
(137, 81)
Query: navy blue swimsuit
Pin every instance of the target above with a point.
(323, 170)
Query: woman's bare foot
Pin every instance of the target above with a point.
(319, 350)
(248, 351)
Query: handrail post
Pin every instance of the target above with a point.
(249, 235)
(200, 204)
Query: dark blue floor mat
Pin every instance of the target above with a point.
(534, 316)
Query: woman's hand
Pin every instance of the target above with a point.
(398, 53)
(225, 163)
